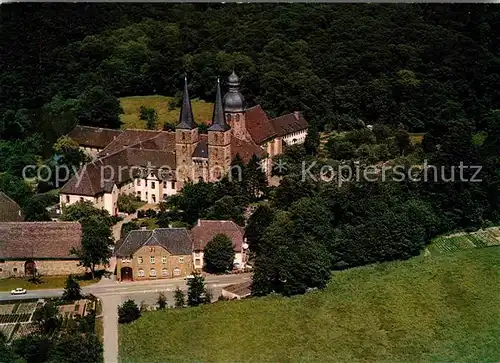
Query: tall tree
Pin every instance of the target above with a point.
(96, 242)
(180, 299)
(197, 292)
(96, 107)
(218, 254)
(72, 290)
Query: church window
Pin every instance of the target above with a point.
(237, 118)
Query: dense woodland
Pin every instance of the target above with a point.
(402, 68)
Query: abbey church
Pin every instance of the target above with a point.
(173, 158)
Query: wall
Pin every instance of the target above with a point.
(172, 262)
(239, 258)
(44, 267)
(298, 137)
(73, 199)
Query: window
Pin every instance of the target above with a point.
(139, 259)
(152, 272)
(164, 184)
(164, 272)
(67, 199)
(154, 198)
(165, 196)
(152, 185)
(181, 259)
(152, 259)
(140, 273)
(139, 194)
(173, 185)
(197, 262)
(151, 249)
(146, 194)
(145, 182)
(15, 269)
(81, 199)
(177, 271)
(138, 182)
(163, 259)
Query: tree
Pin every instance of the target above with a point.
(254, 178)
(128, 312)
(162, 301)
(340, 150)
(150, 116)
(83, 210)
(127, 203)
(72, 290)
(312, 141)
(226, 208)
(77, 348)
(96, 107)
(33, 348)
(34, 211)
(127, 228)
(96, 240)
(402, 140)
(47, 319)
(260, 219)
(218, 254)
(180, 299)
(15, 188)
(7, 354)
(70, 155)
(197, 293)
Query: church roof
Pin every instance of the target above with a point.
(259, 125)
(94, 137)
(289, 123)
(186, 119)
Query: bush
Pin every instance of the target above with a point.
(141, 214)
(150, 213)
(127, 203)
(128, 312)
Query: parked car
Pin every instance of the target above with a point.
(18, 291)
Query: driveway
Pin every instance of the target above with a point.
(117, 227)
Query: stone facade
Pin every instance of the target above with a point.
(154, 262)
(16, 268)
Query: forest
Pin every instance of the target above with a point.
(431, 69)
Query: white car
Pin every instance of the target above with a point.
(189, 277)
(18, 291)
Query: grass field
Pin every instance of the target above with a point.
(202, 111)
(440, 309)
(48, 282)
(462, 241)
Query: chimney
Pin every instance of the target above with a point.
(296, 114)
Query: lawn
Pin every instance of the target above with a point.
(440, 309)
(202, 111)
(48, 282)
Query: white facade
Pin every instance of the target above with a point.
(298, 137)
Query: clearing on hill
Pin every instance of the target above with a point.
(446, 308)
(202, 111)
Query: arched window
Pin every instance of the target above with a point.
(164, 272)
(140, 273)
(177, 271)
(237, 117)
(152, 272)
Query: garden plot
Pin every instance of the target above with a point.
(7, 330)
(22, 330)
(6, 309)
(463, 241)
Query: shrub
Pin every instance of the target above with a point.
(128, 312)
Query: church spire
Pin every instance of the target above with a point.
(218, 119)
(186, 119)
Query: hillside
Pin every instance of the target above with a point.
(438, 309)
(131, 105)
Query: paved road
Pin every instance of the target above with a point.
(113, 293)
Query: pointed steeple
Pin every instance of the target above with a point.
(218, 119)
(186, 119)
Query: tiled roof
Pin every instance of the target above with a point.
(128, 138)
(88, 179)
(20, 240)
(242, 289)
(245, 149)
(201, 150)
(205, 230)
(94, 137)
(9, 210)
(258, 124)
(289, 123)
(177, 241)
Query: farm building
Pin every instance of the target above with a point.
(44, 247)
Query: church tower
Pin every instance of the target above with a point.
(186, 139)
(219, 141)
(234, 108)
